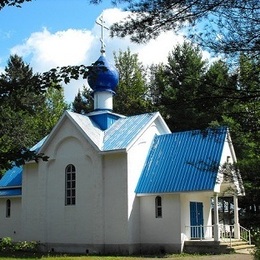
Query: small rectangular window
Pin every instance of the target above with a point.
(158, 207)
(8, 208)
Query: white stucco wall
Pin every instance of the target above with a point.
(10, 226)
(33, 199)
(160, 230)
(115, 198)
(136, 157)
(44, 199)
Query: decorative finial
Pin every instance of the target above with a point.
(101, 22)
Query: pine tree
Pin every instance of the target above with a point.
(28, 113)
(132, 95)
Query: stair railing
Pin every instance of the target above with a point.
(245, 235)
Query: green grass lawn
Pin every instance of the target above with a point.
(17, 255)
(168, 257)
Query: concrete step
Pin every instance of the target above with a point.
(212, 247)
(241, 247)
(245, 250)
(235, 243)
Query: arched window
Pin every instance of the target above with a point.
(8, 208)
(158, 207)
(70, 185)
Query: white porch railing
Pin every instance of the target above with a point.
(227, 233)
(200, 232)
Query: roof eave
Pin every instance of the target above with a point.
(10, 187)
(10, 196)
(124, 150)
(173, 192)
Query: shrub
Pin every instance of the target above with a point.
(26, 246)
(7, 245)
(256, 241)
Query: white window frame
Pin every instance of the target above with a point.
(70, 185)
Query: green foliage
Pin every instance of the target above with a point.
(16, 3)
(83, 102)
(28, 110)
(7, 245)
(224, 26)
(132, 95)
(26, 246)
(255, 235)
(241, 113)
(184, 87)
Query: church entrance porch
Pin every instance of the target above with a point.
(218, 222)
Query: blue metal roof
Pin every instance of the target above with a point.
(124, 130)
(37, 146)
(10, 192)
(104, 120)
(185, 161)
(12, 177)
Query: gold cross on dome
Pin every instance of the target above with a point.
(101, 22)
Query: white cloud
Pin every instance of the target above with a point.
(48, 50)
(44, 50)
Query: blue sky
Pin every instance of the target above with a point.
(50, 33)
(16, 24)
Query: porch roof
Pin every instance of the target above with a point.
(183, 162)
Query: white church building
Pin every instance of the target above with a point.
(118, 184)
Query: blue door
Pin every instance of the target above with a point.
(196, 220)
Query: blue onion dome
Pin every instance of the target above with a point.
(103, 76)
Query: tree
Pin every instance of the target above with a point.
(28, 112)
(83, 102)
(48, 112)
(179, 83)
(132, 92)
(225, 26)
(16, 3)
(242, 116)
(216, 87)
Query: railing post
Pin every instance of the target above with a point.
(200, 232)
(230, 238)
